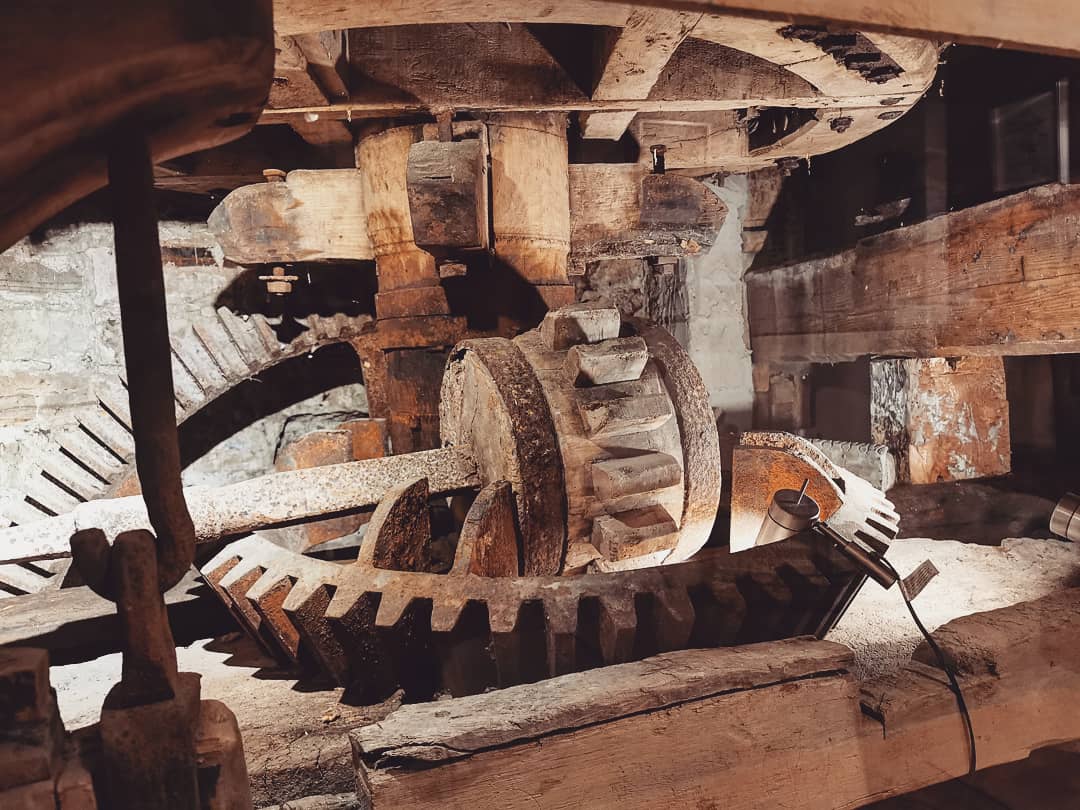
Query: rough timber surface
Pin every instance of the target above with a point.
(838, 743)
(1040, 26)
(995, 279)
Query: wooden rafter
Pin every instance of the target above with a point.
(679, 76)
(635, 57)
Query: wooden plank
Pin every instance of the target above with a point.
(478, 722)
(996, 279)
(945, 419)
(1044, 25)
(636, 56)
(728, 727)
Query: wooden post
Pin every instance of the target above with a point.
(946, 419)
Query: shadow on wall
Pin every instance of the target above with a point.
(332, 374)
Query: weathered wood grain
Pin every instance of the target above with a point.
(1043, 25)
(315, 215)
(481, 721)
(194, 72)
(996, 279)
(773, 725)
(617, 210)
(636, 55)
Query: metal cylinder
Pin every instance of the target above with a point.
(1065, 519)
(790, 512)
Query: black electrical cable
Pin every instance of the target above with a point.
(954, 684)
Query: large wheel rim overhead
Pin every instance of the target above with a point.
(699, 83)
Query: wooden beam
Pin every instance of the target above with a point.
(1041, 25)
(1044, 25)
(997, 279)
(314, 215)
(635, 57)
(592, 739)
(617, 210)
(238, 163)
(654, 66)
(309, 71)
(75, 624)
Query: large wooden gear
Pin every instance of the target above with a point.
(581, 432)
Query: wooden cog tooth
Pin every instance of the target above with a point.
(267, 596)
(561, 625)
(721, 612)
(236, 584)
(610, 361)
(367, 664)
(768, 603)
(306, 607)
(392, 607)
(618, 627)
(446, 611)
(673, 619)
(631, 475)
(623, 416)
(579, 323)
(506, 648)
(347, 593)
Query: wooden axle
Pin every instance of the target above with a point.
(251, 505)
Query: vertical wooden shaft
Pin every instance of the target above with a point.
(147, 353)
(408, 278)
(530, 198)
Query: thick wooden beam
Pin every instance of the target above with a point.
(635, 57)
(997, 279)
(1041, 25)
(781, 724)
(617, 210)
(316, 215)
(310, 70)
(1044, 25)
(75, 624)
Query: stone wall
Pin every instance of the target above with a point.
(60, 330)
(719, 337)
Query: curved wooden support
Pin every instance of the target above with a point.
(191, 73)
